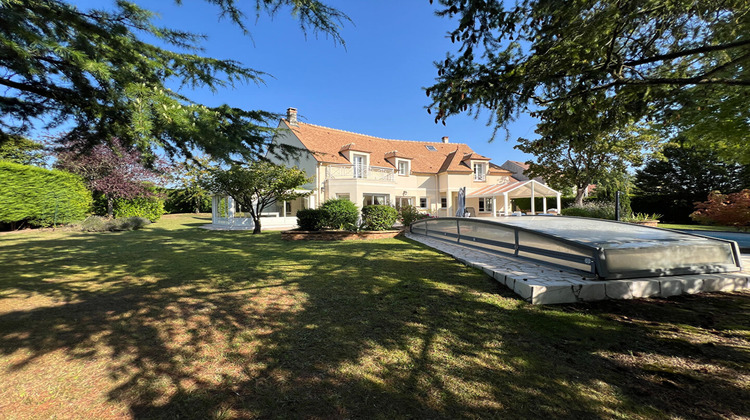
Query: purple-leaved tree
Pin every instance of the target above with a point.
(112, 170)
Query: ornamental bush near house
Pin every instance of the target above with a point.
(378, 217)
(41, 197)
(594, 209)
(310, 219)
(410, 214)
(340, 214)
(151, 208)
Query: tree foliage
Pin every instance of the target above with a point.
(583, 159)
(724, 209)
(113, 170)
(19, 149)
(95, 70)
(40, 197)
(259, 185)
(191, 178)
(588, 67)
(683, 175)
(689, 173)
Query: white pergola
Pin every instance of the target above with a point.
(522, 189)
(223, 214)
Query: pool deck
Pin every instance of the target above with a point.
(539, 284)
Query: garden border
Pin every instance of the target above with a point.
(338, 235)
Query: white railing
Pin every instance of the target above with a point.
(375, 173)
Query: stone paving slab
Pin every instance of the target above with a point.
(539, 284)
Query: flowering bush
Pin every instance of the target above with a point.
(410, 214)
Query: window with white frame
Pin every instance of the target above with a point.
(379, 199)
(423, 202)
(480, 171)
(359, 167)
(403, 167)
(485, 205)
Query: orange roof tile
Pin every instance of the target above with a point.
(326, 144)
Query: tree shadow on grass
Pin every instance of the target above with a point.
(200, 324)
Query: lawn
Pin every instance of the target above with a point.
(700, 227)
(177, 322)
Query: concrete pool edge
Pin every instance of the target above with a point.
(543, 285)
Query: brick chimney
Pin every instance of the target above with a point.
(445, 139)
(291, 116)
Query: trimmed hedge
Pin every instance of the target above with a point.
(310, 219)
(40, 196)
(594, 209)
(340, 214)
(379, 217)
(151, 208)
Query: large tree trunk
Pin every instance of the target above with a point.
(579, 195)
(256, 221)
(110, 205)
(197, 206)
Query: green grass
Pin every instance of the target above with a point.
(177, 322)
(700, 227)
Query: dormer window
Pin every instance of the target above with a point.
(480, 171)
(403, 167)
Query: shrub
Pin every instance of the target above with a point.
(150, 208)
(340, 214)
(101, 224)
(379, 217)
(642, 217)
(594, 209)
(94, 224)
(180, 201)
(410, 214)
(40, 196)
(724, 209)
(310, 219)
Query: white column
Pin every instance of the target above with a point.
(448, 202)
(544, 204)
(533, 199)
(559, 204)
(230, 210)
(506, 203)
(283, 210)
(494, 206)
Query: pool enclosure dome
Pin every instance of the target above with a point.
(597, 248)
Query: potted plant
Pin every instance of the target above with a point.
(644, 219)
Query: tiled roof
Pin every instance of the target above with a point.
(327, 143)
(523, 165)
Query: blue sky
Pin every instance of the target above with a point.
(372, 86)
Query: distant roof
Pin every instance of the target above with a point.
(521, 164)
(328, 145)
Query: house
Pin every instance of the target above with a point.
(372, 170)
